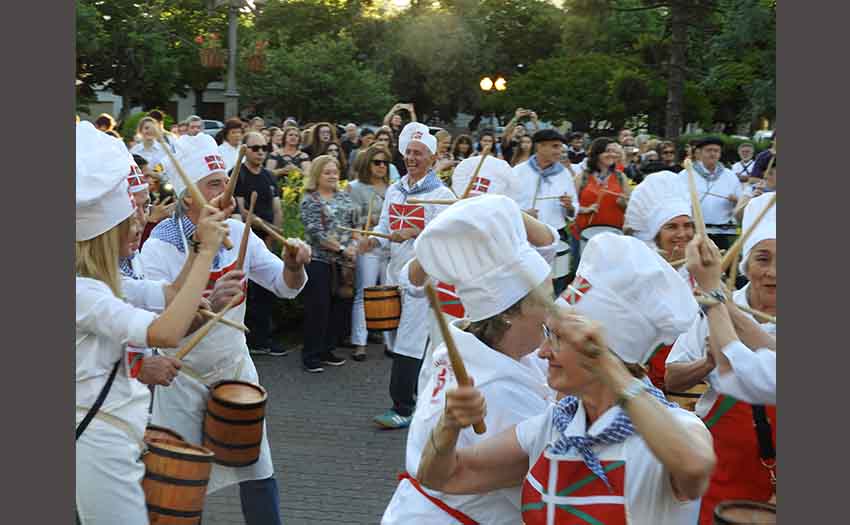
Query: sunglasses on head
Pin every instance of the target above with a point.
(257, 148)
(377, 162)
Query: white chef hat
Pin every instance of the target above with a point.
(416, 131)
(101, 179)
(656, 200)
(480, 246)
(135, 179)
(766, 229)
(494, 176)
(199, 156)
(634, 293)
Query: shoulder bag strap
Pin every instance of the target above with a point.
(97, 404)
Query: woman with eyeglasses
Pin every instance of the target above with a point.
(385, 137)
(484, 246)
(369, 187)
(667, 155)
(612, 450)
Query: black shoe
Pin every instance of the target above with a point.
(330, 359)
(277, 350)
(314, 369)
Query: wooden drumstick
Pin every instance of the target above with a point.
(431, 201)
(209, 314)
(366, 232)
(735, 250)
(454, 355)
(699, 222)
(287, 244)
(369, 215)
(484, 153)
(243, 246)
(204, 330)
(234, 177)
(680, 262)
(191, 186)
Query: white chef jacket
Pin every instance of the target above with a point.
(529, 183)
(223, 353)
(753, 376)
(744, 168)
(515, 390)
(716, 210)
(108, 466)
(691, 346)
(155, 155)
(648, 494)
(410, 337)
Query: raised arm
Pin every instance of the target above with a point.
(495, 463)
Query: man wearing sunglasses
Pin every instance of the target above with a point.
(254, 177)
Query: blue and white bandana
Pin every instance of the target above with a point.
(703, 172)
(168, 231)
(554, 169)
(125, 264)
(430, 183)
(617, 432)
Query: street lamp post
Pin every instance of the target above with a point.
(231, 105)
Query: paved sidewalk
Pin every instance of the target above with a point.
(332, 463)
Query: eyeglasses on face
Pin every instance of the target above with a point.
(256, 148)
(376, 162)
(550, 336)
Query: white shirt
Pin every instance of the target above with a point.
(691, 346)
(105, 325)
(648, 493)
(401, 253)
(716, 210)
(753, 376)
(515, 391)
(155, 155)
(229, 154)
(741, 167)
(528, 184)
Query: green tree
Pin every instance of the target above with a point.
(318, 80)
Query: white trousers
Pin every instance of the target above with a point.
(371, 268)
(109, 477)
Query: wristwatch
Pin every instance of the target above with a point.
(636, 386)
(196, 245)
(719, 295)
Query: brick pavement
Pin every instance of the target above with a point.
(332, 463)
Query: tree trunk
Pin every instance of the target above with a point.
(199, 95)
(676, 79)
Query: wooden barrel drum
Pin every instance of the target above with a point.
(382, 305)
(741, 512)
(157, 432)
(233, 424)
(175, 481)
(688, 400)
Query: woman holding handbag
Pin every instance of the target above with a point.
(330, 285)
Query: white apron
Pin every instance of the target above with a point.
(222, 354)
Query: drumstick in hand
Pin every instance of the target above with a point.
(243, 246)
(369, 214)
(209, 314)
(454, 355)
(365, 232)
(431, 201)
(287, 245)
(191, 186)
(699, 223)
(204, 330)
(469, 184)
(234, 177)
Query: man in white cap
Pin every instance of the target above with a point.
(613, 450)
(543, 175)
(222, 353)
(743, 433)
(403, 222)
(480, 246)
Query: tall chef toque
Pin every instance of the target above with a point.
(480, 246)
(766, 229)
(655, 201)
(135, 179)
(199, 157)
(635, 294)
(494, 176)
(419, 132)
(102, 196)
